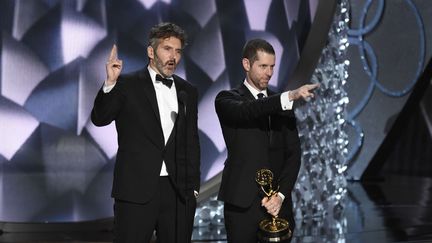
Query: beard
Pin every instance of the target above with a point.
(165, 69)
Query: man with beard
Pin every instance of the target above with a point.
(157, 170)
(260, 131)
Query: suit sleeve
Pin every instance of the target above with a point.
(107, 105)
(232, 108)
(193, 146)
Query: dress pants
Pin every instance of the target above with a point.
(165, 213)
(242, 223)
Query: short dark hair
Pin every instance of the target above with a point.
(166, 30)
(253, 46)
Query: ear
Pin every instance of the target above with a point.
(150, 52)
(246, 64)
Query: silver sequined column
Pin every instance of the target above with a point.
(321, 187)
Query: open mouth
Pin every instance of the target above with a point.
(170, 66)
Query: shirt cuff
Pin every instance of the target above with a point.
(107, 88)
(196, 194)
(281, 196)
(286, 103)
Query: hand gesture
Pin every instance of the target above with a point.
(304, 92)
(113, 67)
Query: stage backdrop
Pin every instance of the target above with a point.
(54, 164)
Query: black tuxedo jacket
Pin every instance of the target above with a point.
(132, 104)
(258, 134)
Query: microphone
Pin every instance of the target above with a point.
(182, 98)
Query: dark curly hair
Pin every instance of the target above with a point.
(166, 30)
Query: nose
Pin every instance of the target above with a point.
(269, 71)
(173, 55)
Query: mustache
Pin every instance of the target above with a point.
(170, 62)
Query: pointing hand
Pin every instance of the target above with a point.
(113, 67)
(305, 92)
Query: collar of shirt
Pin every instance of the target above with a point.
(153, 78)
(254, 91)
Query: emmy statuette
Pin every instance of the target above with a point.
(275, 229)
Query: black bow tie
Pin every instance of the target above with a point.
(166, 81)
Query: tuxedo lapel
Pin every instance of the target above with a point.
(264, 122)
(244, 91)
(145, 84)
(150, 92)
(179, 87)
(181, 108)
